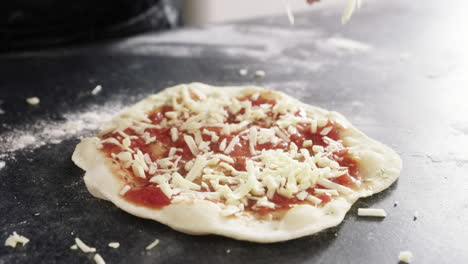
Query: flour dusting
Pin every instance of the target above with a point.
(42, 132)
(339, 44)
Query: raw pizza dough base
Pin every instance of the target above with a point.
(379, 165)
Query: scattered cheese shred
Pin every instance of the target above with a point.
(33, 100)
(243, 72)
(98, 259)
(14, 239)
(83, 247)
(114, 244)
(96, 90)
(74, 247)
(152, 245)
(371, 212)
(260, 74)
(405, 256)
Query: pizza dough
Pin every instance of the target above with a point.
(224, 160)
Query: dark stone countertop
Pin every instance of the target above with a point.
(397, 71)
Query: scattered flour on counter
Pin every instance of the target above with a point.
(39, 133)
(339, 44)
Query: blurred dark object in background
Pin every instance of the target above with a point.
(30, 24)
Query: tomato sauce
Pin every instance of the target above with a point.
(148, 194)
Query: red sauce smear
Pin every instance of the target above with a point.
(149, 195)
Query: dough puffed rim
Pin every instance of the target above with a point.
(380, 167)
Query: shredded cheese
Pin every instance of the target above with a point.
(191, 144)
(114, 244)
(243, 72)
(215, 127)
(231, 145)
(33, 100)
(14, 239)
(124, 190)
(98, 259)
(371, 212)
(83, 247)
(405, 256)
(152, 245)
(260, 74)
(96, 90)
(289, 14)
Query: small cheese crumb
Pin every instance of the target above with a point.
(371, 212)
(260, 74)
(228, 250)
(33, 100)
(174, 134)
(152, 245)
(243, 72)
(405, 256)
(98, 259)
(14, 239)
(74, 247)
(114, 244)
(85, 248)
(96, 90)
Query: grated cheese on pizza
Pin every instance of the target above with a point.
(250, 154)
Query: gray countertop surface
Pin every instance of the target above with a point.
(397, 70)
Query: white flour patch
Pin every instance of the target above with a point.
(339, 45)
(40, 133)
